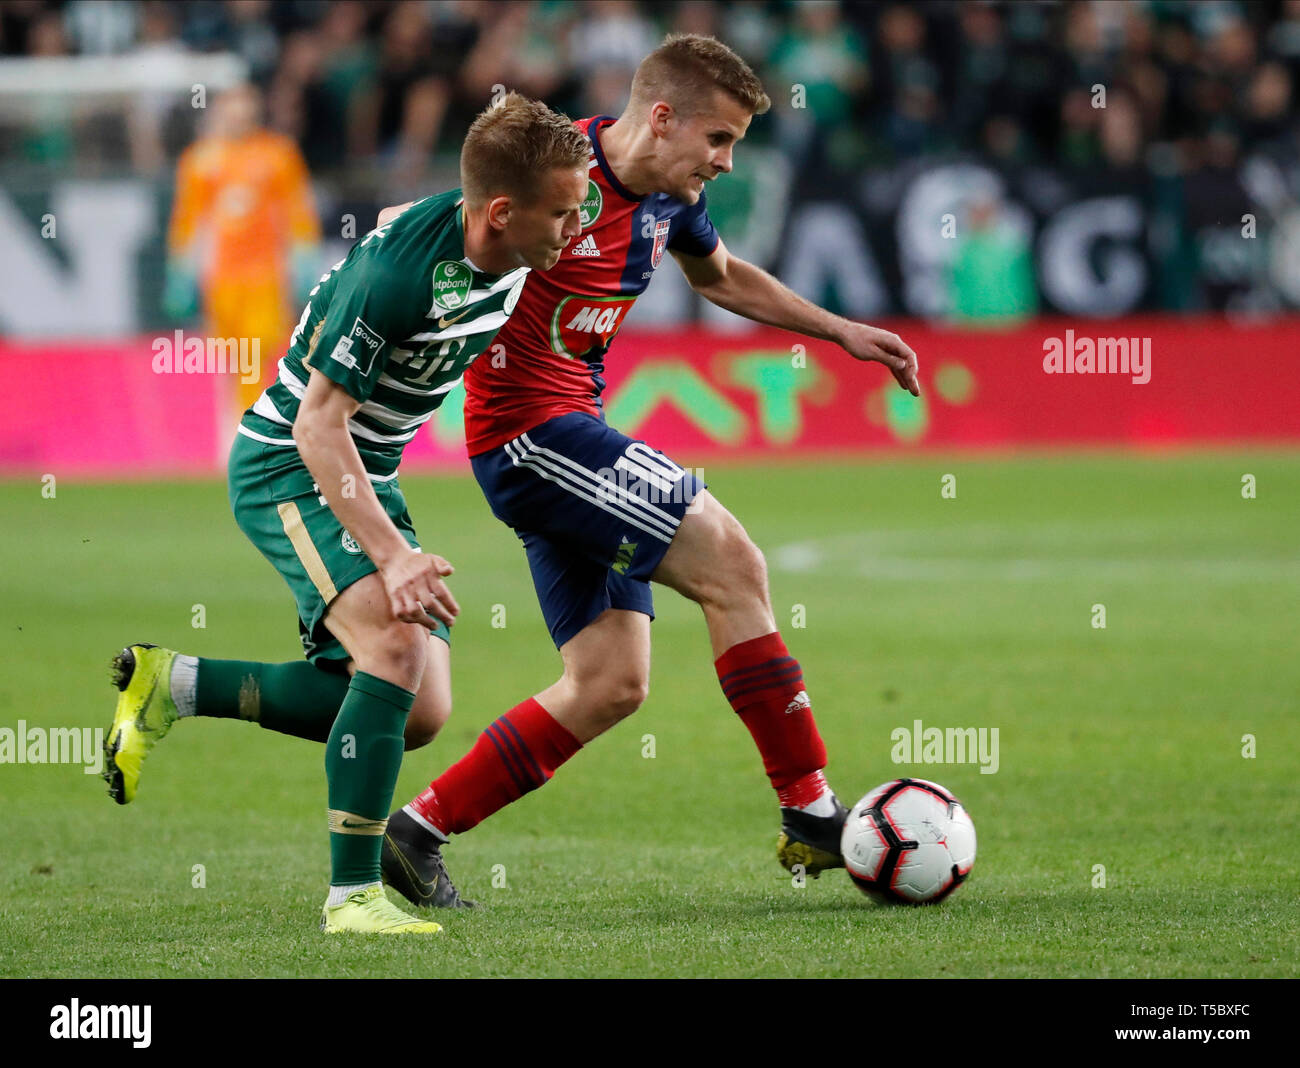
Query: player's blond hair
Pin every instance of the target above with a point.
(687, 67)
(511, 144)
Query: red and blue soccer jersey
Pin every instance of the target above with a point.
(555, 342)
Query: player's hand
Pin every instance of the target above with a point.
(416, 592)
(864, 342)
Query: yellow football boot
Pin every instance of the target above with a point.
(145, 713)
(370, 912)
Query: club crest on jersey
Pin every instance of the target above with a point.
(661, 242)
(451, 284)
(589, 212)
(581, 324)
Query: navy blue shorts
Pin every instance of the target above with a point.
(595, 509)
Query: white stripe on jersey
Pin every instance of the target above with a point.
(482, 325)
(266, 408)
(389, 382)
(366, 434)
(507, 281)
(276, 441)
(291, 381)
(372, 409)
(269, 441)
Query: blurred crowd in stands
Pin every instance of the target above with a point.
(1098, 155)
(389, 84)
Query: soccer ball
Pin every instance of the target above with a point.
(908, 842)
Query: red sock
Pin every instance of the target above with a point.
(517, 753)
(764, 684)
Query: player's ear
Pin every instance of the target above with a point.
(498, 212)
(661, 117)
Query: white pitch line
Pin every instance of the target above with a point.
(873, 557)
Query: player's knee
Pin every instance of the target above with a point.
(627, 693)
(750, 564)
(418, 733)
(396, 653)
(613, 695)
(428, 716)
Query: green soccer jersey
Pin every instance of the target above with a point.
(395, 323)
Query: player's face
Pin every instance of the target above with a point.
(697, 148)
(539, 231)
(238, 112)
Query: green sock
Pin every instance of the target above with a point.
(362, 759)
(297, 698)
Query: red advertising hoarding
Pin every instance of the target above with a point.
(105, 410)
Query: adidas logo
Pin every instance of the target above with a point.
(800, 701)
(586, 247)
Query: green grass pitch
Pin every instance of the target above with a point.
(1121, 747)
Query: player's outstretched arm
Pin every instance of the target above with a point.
(747, 290)
(413, 579)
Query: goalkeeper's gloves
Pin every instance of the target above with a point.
(180, 301)
(305, 269)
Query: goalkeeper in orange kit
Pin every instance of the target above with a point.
(244, 233)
